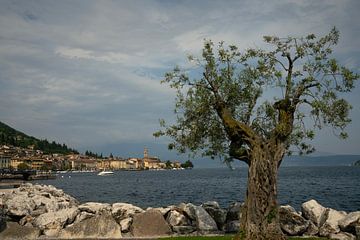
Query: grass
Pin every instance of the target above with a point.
(229, 237)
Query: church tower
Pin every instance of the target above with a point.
(146, 154)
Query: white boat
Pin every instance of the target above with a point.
(104, 173)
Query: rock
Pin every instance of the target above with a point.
(357, 232)
(204, 222)
(175, 218)
(121, 211)
(164, 210)
(331, 224)
(45, 204)
(99, 226)
(15, 231)
(183, 230)
(342, 236)
(214, 210)
(35, 200)
(233, 212)
(52, 222)
(2, 218)
(314, 212)
(291, 222)
(150, 223)
(25, 220)
(82, 216)
(348, 223)
(188, 209)
(312, 230)
(18, 205)
(232, 226)
(126, 224)
(94, 207)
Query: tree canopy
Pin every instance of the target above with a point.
(282, 93)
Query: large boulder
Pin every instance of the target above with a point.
(291, 222)
(312, 230)
(233, 212)
(204, 222)
(314, 212)
(150, 223)
(348, 223)
(342, 236)
(331, 224)
(14, 231)
(99, 226)
(183, 230)
(52, 222)
(122, 211)
(164, 210)
(357, 232)
(94, 207)
(188, 209)
(18, 205)
(174, 218)
(214, 210)
(83, 216)
(232, 226)
(35, 200)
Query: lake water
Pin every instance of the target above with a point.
(336, 187)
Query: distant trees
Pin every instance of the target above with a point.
(168, 164)
(187, 164)
(23, 166)
(94, 155)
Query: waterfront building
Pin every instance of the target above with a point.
(83, 164)
(134, 163)
(117, 164)
(34, 163)
(5, 161)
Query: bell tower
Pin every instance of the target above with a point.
(146, 154)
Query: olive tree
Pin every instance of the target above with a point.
(255, 106)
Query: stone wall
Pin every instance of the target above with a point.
(34, 211)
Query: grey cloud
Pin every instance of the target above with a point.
(88, 72)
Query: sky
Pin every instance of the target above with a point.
(87, 73)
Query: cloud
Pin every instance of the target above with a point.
(89, 72)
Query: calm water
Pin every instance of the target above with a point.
(335, 187)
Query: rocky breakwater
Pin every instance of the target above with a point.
(40, 211)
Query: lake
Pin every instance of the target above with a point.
(336, 187)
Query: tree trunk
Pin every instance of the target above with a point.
(260, 218)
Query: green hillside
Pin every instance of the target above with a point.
(10, 136)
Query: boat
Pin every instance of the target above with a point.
(104, 173)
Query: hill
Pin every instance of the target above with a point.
(11, 136)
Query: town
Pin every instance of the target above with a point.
(17, 158)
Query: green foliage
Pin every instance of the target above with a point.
(10, 136)
(221, 108)
(168, 164)
(187, 164)
(23, 166)
(94, 155)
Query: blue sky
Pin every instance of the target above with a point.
(88, 73)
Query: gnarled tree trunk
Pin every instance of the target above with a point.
(260, 219)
